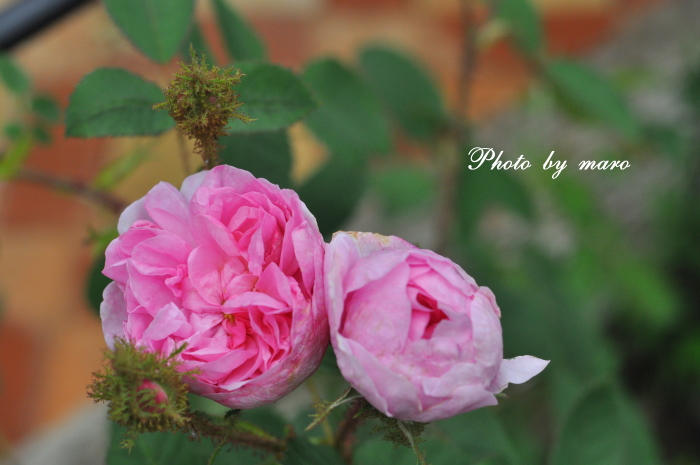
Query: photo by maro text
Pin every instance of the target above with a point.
(478, 156)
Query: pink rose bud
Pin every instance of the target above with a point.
(412, 332)
(161, 398)
(231, 266)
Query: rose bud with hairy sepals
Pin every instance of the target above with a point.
(160, 397)
(232, 266)
(412, 332)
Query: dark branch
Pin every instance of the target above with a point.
(226, 433)
(81, 189)
(345, 435)
(451, 159)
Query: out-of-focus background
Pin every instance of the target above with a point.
(50, 342)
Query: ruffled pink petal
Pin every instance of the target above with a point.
(378, 315)
(459, 375)
(263, 302)
(205, 265)
(134, 212)
(228, 176)
(209, 231)
(461, 400)
(388, 391)
(160, 255)
(305, 242)
(149, 291)
(191, 184)
(374, 267)
(169, 210)
(169, 321)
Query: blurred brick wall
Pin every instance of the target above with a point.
(49, 340)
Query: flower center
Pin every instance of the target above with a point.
(238, 329)
(425, 316)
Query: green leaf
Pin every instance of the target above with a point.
(475, 438)
(407, 90)
(691, 88)
(265, 154)
(174, 449)
(584, 92)
(350, 116)
(11, 161)
(115, 102)
(483, 188)
(266, 418)
(42, 135)
(370, 450)
(301, 452)
(591, 433)
(654, 300)
(524, 24)
(158, 449)
(479, 433)
(13, 76)
(14, 130)
(46, 107)
(641, 446)
(602, 429)
(242, 42)
(156, 27)
(119, 169)
(272, 95)
(333, 192)
(403, 187)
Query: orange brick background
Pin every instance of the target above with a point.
(49, 340)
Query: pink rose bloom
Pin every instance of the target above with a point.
(412, 332)
(231, 265)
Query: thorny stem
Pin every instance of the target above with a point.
(202, 426)
(102, 198)
(451, 157)
(327, 429)
(324, 409)
(345, 435)
(216, 451)
(419, 455)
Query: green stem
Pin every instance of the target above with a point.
(419, 455)
(322, 416)
(215, 453)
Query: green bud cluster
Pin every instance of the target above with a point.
(201, 100)
(141, 410)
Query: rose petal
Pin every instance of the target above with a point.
(113, 313)
(134, 212)
(191, 184)
(168, 208)
(517, 370)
